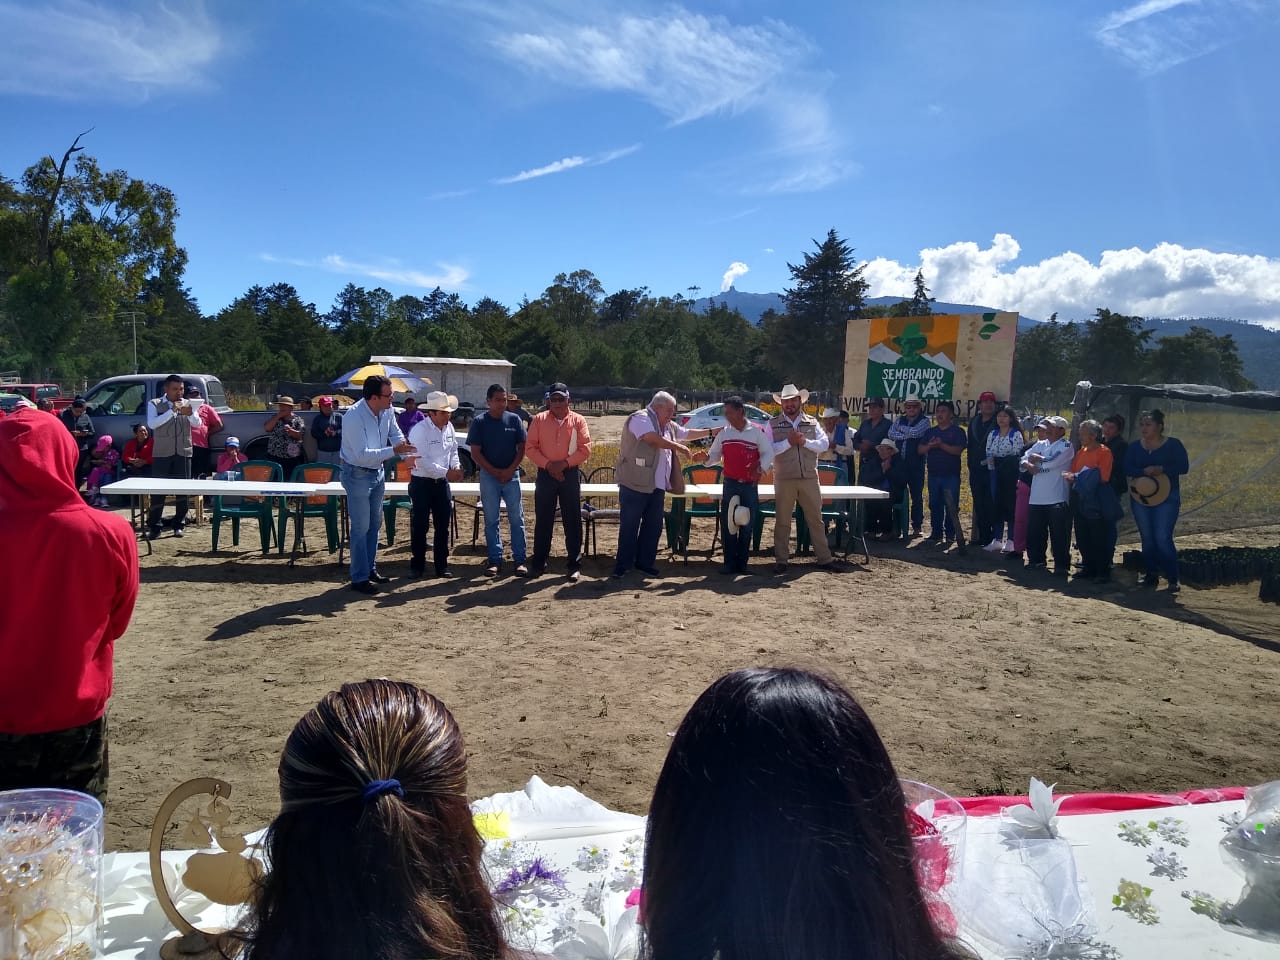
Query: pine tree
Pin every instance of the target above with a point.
(828, 293)
(920, 300)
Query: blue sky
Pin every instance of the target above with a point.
(1028, 155)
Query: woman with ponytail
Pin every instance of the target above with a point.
(374, 853)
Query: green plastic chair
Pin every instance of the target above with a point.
(833, 511)
(319, 505)
(697, 474)
(397, 471)
(262, 471)
(767, 508)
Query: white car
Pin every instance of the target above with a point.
(711, 417)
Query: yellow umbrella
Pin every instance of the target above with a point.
(402, 380)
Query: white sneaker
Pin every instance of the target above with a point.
(994, 546)
(1008, 547)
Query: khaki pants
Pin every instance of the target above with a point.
(786, 493)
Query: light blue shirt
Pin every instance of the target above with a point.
(369, 441)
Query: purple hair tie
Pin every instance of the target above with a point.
(376, 788)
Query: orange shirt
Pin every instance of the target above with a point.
(1099, 458)
(549, 439)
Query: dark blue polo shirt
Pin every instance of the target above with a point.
(497, 439)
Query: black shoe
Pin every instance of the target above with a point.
(575, 576)
(153, 533)
(1037, 566)
(376, 577)
(417, 573)
(445, 574)
(536, 570)
(1150, 580)
(1173, 586)
(649, 571)
(365, 587)
(1083, 575)
(178, 532)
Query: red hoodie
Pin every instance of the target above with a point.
(71, 595)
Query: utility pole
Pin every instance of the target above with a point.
(133, 316)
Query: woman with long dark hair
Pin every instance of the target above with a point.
(1005, 443)
(1153, 466)
(374, 853)
(778, 829)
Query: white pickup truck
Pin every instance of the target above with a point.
(117, 403)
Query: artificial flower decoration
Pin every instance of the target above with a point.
(613, 936)
(1040, 818)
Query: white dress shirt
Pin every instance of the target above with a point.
(156, 419)
(437, 449)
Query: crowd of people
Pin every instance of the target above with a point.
(1032, 496)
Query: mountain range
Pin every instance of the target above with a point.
(1259, 346)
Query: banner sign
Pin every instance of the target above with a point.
(938, 357)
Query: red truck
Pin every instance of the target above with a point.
(35, 392)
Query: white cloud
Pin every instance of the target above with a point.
(768, 249)
(569, 163)
(1168, 280)
(687, 66)
(558, 166)
(1155, 35)
(81, 48)
(451, 277)
(736, 270)
(450, 194)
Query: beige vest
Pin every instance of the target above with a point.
(794, 463)
(172, 439)
(638, 462)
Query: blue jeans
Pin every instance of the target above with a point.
(939, 523)
(364, 508)
(491, 494)
(737, 546)
(639, 529)
(1155, 524)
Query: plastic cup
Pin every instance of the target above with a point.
(50, 873)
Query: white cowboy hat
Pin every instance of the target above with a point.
(791, 390)
(1150, 491)
(739, 515)
(830, 412)
(886, 442)
(439, 400)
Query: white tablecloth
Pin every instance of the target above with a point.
(595, 857)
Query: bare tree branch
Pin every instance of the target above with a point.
(46, 215)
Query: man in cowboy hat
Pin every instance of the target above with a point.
(516, 405)
(435, 466)
(559, 443)
(797, 440)
(746, 452)
(1048, 516)
(907, 432)
(326, 430)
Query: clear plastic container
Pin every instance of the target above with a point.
(50, 874)
(937, 821)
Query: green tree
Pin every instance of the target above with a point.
(572, 299)
(1113, 348)
(75, 243)
(1199, 357)
(919, 305)
(829, 291)
(1046, 364)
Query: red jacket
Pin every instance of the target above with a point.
(63, 606)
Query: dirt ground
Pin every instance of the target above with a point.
(977, 674)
